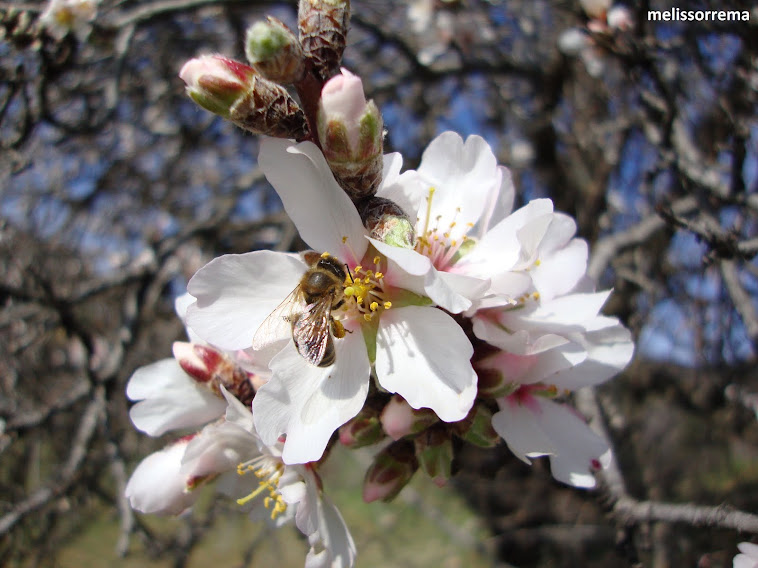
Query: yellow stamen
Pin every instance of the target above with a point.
(374, 306)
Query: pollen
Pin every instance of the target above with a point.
(269, 472)
(440, 243)
(364, 288)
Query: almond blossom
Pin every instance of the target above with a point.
(385, 315)
(231, 453)
(64, 16)
(547, 349)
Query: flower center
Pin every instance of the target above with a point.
(365, 291)
(436, 242)
(269, 472)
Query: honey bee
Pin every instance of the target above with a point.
(308, 311)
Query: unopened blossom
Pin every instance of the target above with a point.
(351, 133)
(64, 16)
(413, 348)
(748, 556)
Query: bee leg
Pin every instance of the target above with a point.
(338, 330)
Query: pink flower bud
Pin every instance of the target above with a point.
(351, 132)
(391, 470)
(399, 419)
(215, 82)
(342, 100)
(363, 430)
(213, 369)
(620, 18)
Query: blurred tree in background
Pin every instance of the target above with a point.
(116, 188)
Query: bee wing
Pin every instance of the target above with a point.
(278, 324)
(312, 331)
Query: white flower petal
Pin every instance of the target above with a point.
(169, 399)
(520, 342)
(309, 403)
(449, 166)
(157, 486)
(502, 205)
(404, 189)
(499, 250)
(322, 212)
(578, 446)
(559, 273)
(332, 545)
(609, 351)
(518, 426)
(236, 292)
(424, 356)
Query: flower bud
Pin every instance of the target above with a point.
(274, 52)
(351, 132)
(386, 222)
(400, 419)
(620, 18)
(233, 90)
(363, 430)
(214, 369)
(595, 9)
(215, 82)
(323, 29)
(434, 450)
(477, 428)
(390, 471)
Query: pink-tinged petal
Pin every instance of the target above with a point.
(309, 403)
(520, 428)
(157, 486)
(236, 292)
(559, 273)
(322, 212)
(500, 249)
(169, 399)
(578, 446)
(332, 545)
(448, 164)
(530, 369)
(424, 356)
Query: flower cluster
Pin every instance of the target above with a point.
(426, 310)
